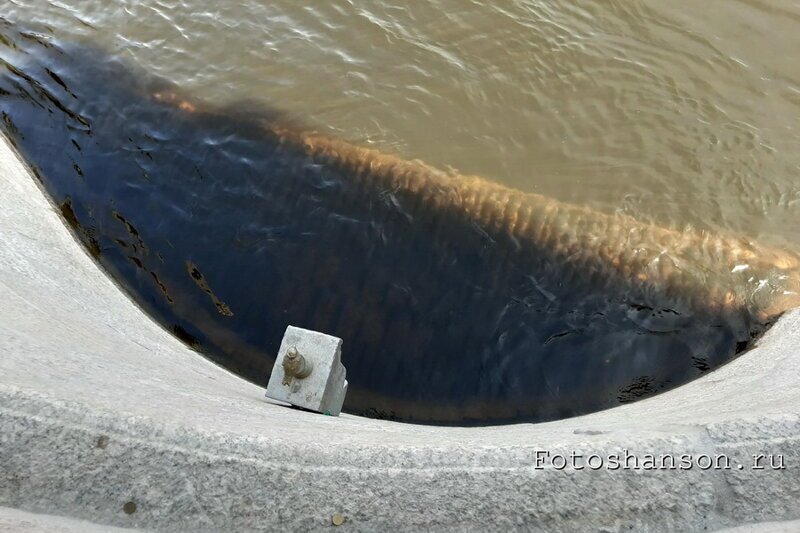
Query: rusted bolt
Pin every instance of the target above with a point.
(295, 366)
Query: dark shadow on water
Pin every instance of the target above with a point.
(226, 237)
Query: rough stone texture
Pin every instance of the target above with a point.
(100, 407)
(324, 389)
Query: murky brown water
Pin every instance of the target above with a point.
(679, 113)
(684, 112)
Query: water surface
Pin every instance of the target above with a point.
(673, 114)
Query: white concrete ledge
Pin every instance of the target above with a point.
(16, 521)
(100, 407)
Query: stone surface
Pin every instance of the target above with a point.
(99, 407)
(324, 388)
(766, 527)
(16, 521)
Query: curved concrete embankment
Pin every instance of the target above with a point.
(106, 417)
